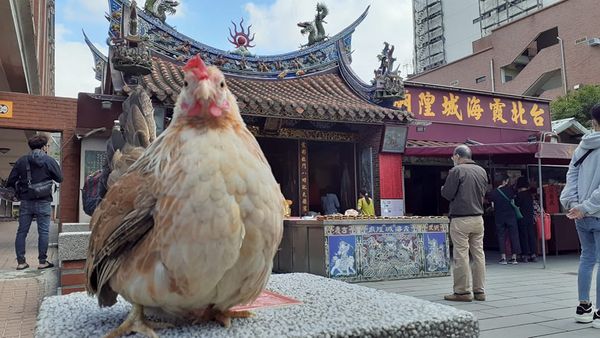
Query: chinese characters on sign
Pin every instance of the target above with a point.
(304, 178)
(475, 108)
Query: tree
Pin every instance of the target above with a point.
(576, 103)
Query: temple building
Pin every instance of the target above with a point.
(318, 124)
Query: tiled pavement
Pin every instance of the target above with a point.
(523, 300)
(21, 292)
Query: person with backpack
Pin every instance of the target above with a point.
(32, 177)
(365, 204)
(581, 197)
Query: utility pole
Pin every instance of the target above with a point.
(562, 64)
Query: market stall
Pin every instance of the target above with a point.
(538, 154)
(359, 249)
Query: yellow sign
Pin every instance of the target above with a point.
(6, 109)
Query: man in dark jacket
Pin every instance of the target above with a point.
(43, 168)
(465, 188)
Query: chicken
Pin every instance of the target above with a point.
(192, 227)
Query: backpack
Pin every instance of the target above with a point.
(93, 191)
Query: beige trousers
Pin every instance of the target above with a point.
(467, 236)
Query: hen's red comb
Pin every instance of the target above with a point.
(197, 67)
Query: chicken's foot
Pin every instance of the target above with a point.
(221, 317)
(135, 322)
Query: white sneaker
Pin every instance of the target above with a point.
(585, 314)
(596, 323)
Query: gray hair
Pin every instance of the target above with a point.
(463, 151)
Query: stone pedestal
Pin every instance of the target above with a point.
(330, 309)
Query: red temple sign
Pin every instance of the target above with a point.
(475, 108)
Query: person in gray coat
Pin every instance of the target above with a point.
(581, 197)
(465, 188)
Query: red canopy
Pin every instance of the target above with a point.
(542, 150)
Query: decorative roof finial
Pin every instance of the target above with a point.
(387, 79)
(241, 40)
(315, 29)
(160, 8)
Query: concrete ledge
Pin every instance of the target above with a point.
(75, 227)
(330, 309)
(73, 245)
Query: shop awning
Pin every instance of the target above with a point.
(543, 150)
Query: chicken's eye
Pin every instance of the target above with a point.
(185, 83)
(222, 84)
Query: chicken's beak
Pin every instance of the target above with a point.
(203, 92)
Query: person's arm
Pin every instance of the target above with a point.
(569, 196)
(359, 205)
(450, 187)
(336, 202)
(54, 169)
(13, 177)
(592, 204)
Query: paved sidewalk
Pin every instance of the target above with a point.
(21, 292)
(523, 300)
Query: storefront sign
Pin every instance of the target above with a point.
(475, 109)
(6, 109)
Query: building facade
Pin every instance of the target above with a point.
(445, 30)
(28, 26)
(525, 57)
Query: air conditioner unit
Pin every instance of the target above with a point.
(594, 42)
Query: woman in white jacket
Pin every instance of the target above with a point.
(581, 197)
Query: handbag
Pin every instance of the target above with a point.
(41, 189)
(512, 204)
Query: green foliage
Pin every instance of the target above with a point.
(576, 103)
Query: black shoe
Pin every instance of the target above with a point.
(583, 314)
(502, 261)
(513, 261)
(596, 323)
(533, 258)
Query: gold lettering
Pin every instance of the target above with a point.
(450, 107)
(497, 111)
(537, 112)
(517, 113)
(474, 108)
(426, 100)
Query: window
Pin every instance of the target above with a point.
(480, 79)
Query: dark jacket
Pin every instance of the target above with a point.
(465, 188)
(43, 168)
(524, 200)
(503, 210)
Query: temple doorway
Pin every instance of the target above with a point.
(331, 168)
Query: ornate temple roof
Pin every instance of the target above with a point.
(313, 83)
(324, 96)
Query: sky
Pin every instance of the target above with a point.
(273, 22)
